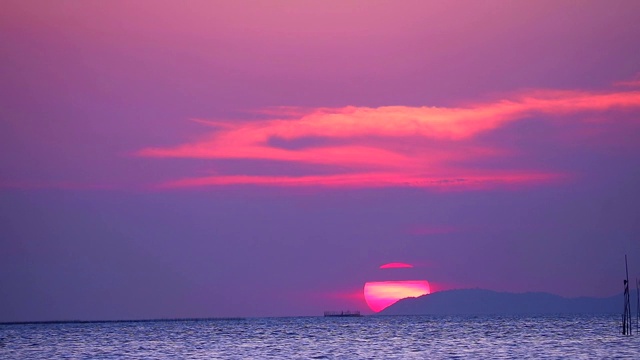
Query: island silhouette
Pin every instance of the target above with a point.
(488, 302)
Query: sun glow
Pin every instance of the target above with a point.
(381, 294)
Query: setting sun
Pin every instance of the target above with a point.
(381, 294)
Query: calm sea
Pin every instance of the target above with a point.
(371, 337)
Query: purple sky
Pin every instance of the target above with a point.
(160, 159)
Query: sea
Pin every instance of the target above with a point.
(367, 337)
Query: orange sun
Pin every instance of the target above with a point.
(381, 294)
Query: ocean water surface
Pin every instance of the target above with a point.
(368, 337)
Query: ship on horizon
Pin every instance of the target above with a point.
(342, 313)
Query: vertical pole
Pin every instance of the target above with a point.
(638, 306)
(626, 317)
(624, 313)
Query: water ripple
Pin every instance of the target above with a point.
(398, 337)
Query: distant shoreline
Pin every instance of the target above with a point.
(489, 302)
(120, 321)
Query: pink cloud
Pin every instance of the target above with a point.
(395, 265)
(367, 180)
(385, 146)
(635, 82)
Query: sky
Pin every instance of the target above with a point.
(161, 159)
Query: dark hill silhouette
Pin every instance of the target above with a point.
(479, 302)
